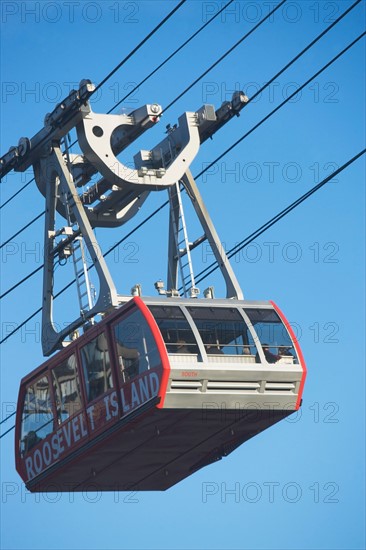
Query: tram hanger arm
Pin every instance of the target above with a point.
(57, 124)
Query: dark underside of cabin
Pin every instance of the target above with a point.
(154, 450)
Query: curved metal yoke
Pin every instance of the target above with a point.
(121, 192)
(101, 136)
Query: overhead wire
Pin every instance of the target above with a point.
(230, 50)
(177, 50)
(300, 54)
(16, 194)
(335, 22)
(7, 431)
(221, 58)
(250, 238)
(245, 242)
(111, 73)
(279, 73)
(233, 145)
(147, 37)
(7, 418)
(21, 230)
(229, 148)
(19, 283)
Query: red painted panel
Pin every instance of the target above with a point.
(298, 351)
(161, 349)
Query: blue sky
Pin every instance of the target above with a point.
(299, 485)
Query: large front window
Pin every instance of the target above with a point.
(273, 336)
(135, 346)
(96, 367)
(66, 388)
(223, 331)
(175, 329)
(37, 417)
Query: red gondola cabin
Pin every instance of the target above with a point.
(156, 390)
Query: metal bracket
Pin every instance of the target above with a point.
(233, 289)
(51, 174)
(119, 194)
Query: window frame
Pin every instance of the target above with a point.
(83, 382)
(81, 395)
(200, 342)
(186, 317)
(113, 325)
(259, 343)
(44, 374)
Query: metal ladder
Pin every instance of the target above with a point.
(83, 283)
(182, 243)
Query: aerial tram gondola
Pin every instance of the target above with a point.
(161, 386)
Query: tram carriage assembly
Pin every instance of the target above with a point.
(154, 392)
(159, 387)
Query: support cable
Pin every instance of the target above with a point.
(237, 247)
(244, 37)
(7, 418)
(334, 23)
(250, 238)
(171, 57)
(7, 431)
(233, 145)
(162, 22)
(293, 60)
(229, 148)
(22, 229)
(17, 193)
(107, 78)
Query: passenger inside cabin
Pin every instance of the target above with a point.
(129, 360)
(96, 365)
(213, 348)
(270, 357)
(285, 351)
(182, 347)
(30, 440)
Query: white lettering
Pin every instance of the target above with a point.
(29, 467)
(125, 406)
(114, 404)
(47, 453)
(37, 460)
(82, 426)
(144, 389)
(55, 447)
(61, 448)
(90, 412)
(135, 396)
(67, 433)
(75, 428)
(106, 401)
(154, 384)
